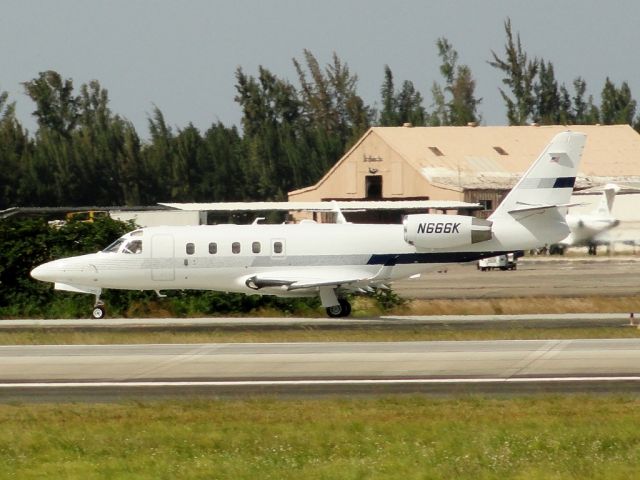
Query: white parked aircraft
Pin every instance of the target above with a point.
(328, 260)
(587, 229)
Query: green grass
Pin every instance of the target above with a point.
(309, 334)
(399, 437)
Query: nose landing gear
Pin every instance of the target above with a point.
(99, 311)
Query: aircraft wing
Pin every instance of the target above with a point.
(345, 206)
(296, 280)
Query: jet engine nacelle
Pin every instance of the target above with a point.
(445, 231)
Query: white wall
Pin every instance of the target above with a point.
(161, 217)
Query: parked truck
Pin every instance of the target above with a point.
(508, 261)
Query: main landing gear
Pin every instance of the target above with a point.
(343, 309)
(335, 307)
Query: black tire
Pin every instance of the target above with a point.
(346, 307)
(343, 309)
(98, 312)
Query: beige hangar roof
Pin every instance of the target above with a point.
(611, 151)
(494, 157)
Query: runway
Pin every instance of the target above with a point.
(103, 373)
(566, 320)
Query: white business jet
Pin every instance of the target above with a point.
(588, 229)
(327, 260)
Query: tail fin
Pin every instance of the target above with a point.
(549, 181)
(606, 202)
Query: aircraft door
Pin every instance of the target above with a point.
(162, 261)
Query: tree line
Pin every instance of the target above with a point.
(82, 153)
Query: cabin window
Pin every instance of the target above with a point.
(255, 247)
(191, 248)
(213, 248)
(277, 247)
(235, 247)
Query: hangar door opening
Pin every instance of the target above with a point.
(373, 187)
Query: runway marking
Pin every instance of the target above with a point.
(548, 349)
(242, 383)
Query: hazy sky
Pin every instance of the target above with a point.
(182, 56)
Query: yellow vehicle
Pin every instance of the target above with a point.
(87, 216)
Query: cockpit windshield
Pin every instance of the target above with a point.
(115, 246)
(134, 246)
(124, 245)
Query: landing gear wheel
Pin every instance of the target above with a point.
(343, 309)
(98, 312)
(346, 307)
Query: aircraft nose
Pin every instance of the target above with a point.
(66, 270)
(47, 272)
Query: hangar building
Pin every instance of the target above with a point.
(469, 164)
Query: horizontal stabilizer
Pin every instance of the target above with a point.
(539, 208)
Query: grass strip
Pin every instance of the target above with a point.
(400, 437)
(520, 305)
(309, 334)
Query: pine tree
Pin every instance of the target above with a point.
(409, 104)
(389, 114)
(617, 105)
(15, 147)
(547, 104)
(222, 166)
(330, 100)
(158, 158)
(400, 107)
(520, 74)
(440, 114)
(460, 85)
(271, 119)
(185, 163)
(130, 164)
(57, 107)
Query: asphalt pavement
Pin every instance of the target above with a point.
(105, 372)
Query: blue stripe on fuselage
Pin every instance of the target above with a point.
(437, 257)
